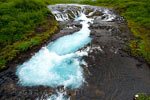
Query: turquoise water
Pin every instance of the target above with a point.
(71, 43)
(58, 64)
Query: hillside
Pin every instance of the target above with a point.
(23, 25)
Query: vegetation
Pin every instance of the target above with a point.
(137, 14)
(23, 24)
(27, 23)
(143, 96)
(20, 18)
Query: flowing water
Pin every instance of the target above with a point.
(59, 63)
(85, 60)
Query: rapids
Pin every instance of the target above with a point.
(84, 60)
(59, 63)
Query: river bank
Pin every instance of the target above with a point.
(23, 25)
(111, 73)
(136, 14)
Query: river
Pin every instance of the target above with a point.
(85, 60)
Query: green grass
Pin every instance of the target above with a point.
(23, 25)
(51, 2)
(18, 17)
(137, 14)
(19, 20)
(143, 96)
(9, 52)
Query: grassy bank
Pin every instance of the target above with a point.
(143, 96)
(28, 23)
(23, 25)
(19, 20)
(137, 14)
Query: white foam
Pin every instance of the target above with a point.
(60, 95)
(58, 64)
(74, 9)
(49, 69)
(109, 16)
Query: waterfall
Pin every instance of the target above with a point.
(67, 12)
(59, 63)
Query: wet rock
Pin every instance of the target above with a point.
(112, 74)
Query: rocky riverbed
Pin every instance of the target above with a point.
(112, 74)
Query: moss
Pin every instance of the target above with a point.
(143, 43)
(23, 25)
(18, 17)
(10, 52)
(133, 45)
(2, 64)
(143, 96)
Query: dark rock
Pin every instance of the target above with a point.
(112, 74)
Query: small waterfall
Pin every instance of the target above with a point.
(59, 63)
(60, 95)
(67, 12)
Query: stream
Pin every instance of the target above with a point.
(85, 60)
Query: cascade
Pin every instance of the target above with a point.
(59, 63)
